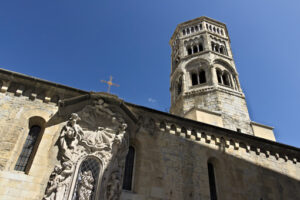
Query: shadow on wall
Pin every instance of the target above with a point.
(234, 176)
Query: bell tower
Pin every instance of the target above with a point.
(204, 80)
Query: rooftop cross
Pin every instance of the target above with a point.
(109, 83)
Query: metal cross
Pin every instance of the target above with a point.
(109, 83)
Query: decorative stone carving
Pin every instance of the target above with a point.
(75, 143)
(85, 185)
(114, 186)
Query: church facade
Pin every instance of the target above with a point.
(62, 143)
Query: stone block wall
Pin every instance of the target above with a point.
(15, 112)
(171, 163)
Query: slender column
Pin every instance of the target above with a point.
(231, 81)
(238, 83)
(214, 78)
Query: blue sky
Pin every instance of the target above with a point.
(80, 42)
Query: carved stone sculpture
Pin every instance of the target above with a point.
(76, 143)
(113, 187)
(85, 185)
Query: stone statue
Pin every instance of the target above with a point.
(69, 137)
(85, 185)
(59, 181)
(113, 187)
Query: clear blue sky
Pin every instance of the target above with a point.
(80, 42)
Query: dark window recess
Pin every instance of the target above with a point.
(219, 77)
(222, 50)
(189, 50)
(27, 151)
(194, 79)
(200, 47)
(226, 79)
(202, 77)
(238, 130)
(88, 168)
(179, 86)
(212, 182)
(195, 49)
(128, 174)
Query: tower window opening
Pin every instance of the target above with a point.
(217, 48)
(212, 181)
(195, 49)
(214, 29)
(187, 31)
(206, 26)
(183, 32)
(28, 150)
(192, 29)
(222, 32)
(210, 28)
(189, 50)
(212, 46)
(179, 86)
(200, 26)
(202, 77)
(196, 28)
(194, 79)
(226, 79)
(222, 50)
(218, 30)
(219, 76)
(200, 47)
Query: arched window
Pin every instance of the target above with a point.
(222, 50)
(225, 78)
(195, 48)
(202, 77)
(29, 149)
(187, 31)
(128, 173)
(196, 28)
(212, 181)
(212, 46)
(192, 29)
(194, 79)
(219, 76)
(87, 179)
(189, 50)
(200, 26)
(183, 31)
(200, 47)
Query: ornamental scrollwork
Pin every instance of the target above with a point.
(74, 144)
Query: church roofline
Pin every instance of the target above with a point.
(27, 77)
(229, 133)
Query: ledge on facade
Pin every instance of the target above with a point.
(183, 127)
(35, 88)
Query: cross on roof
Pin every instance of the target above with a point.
(109, 83)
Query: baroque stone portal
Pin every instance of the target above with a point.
(108, 145)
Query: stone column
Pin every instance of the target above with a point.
(214, 79)
(238, 83)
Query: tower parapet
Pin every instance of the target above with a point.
(204, 80)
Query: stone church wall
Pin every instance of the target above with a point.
(15, 115)
(171, 163)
